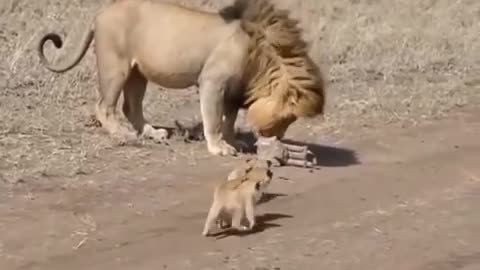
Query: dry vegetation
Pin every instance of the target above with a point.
(387, 61)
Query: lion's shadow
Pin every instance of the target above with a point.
(326, 156)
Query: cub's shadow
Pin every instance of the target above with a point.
(326, 156)
(263, 222)
(266, 197)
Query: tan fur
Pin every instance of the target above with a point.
(246, 166)
(242, 171)
(249, 55)
(237, 197)
(282, 81)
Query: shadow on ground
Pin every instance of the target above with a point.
(266, 197)
(330, 156)
(326, 156)
(456, 262)
(263, 222)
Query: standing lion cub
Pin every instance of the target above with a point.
(237, 197)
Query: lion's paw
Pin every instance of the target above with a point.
(222, 148)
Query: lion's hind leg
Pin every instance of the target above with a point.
(134, 92)
(112, 74)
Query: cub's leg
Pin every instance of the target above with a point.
(134, 92)
(213, 214)
(211, 107)
(250, 212)
(237, 217)
(112, 75)
(224, 220)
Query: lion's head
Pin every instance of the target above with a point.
(282, 82)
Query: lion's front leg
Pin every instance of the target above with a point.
(229, 123)
(231, 114)
(212, 108)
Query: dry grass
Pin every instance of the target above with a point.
(387, 61)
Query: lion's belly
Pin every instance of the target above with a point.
(172, 80)
(172, 45)
(169, 75)
(170, 64)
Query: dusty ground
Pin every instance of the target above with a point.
(397, 189)
(403, 199)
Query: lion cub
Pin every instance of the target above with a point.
(241, 171)
(237, 197)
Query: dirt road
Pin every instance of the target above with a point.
(398, 199)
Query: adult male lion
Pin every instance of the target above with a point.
(249, 55)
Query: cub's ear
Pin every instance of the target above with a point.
(250, 164)
(266, 164)
(236, 173)
(242, 170)
(269, 164)
(269, 174)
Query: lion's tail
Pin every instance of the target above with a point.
(58, 42)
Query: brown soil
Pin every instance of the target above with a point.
(402, 199)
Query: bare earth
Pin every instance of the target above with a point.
(402, 199)
(398, 186)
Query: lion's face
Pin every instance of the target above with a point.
(281, 82)
(278, 128)
(269, 118)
